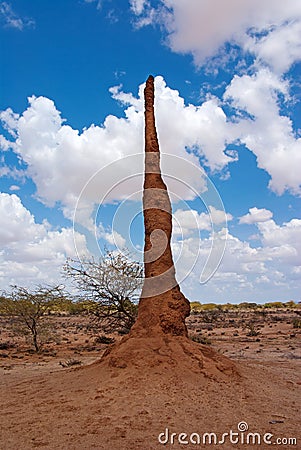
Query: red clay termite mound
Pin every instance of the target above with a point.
(159, 335)
(163, 308)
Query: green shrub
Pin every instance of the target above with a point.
(247, 305)
(290, 304)
(274, 305)
(209, 307)
(195, 307)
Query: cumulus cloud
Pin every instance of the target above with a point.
(13, 214)
(32, 252)
(234, 274)
(268, 133)
(179, 125)
(266, 28)
(111, 236)
(97, 164)
(64, 163)
(282, 39)
(4, 144)
(256, 215)
(274, 265)
(282, 237)
(189, 220)
(201, 28)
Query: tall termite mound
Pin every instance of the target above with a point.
(162, 307)
(159, 335)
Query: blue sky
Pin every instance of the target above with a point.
(227, 77)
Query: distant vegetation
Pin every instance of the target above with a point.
(108, 293)
(198, 307)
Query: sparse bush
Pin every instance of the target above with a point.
(200, 339)
(296, 322)
(210, 316)
(29, 308)
(6, 345)
(290, 304)
(261, 312)
(104, 340)
(70, 362)
(252, 330)
(110, 288)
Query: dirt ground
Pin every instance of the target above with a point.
(64, 398)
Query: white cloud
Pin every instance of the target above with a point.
(111, 236)
(145, 13)
(32, 252)
(275, 265)
(268, 134)
(271, 31)
(17, 223)
(186, 221)
(61, 160)
(11, 19)
(203, 128)
(4, 144)
(233, 275)
(284, 40)
(256, 215)
(257, 94)
(116, 239)
(201, 28)
(138, 6)
(189, 220)
(262, 279)
(219, 217)
(98, 3)
(14, 187)
(12, 172)
(10, 120)
(285, 239)
(265, 27)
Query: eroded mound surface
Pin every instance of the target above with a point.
(165, 352)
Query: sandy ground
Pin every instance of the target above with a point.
(46, 404)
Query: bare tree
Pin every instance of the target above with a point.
(28, 307)
(112, 285)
